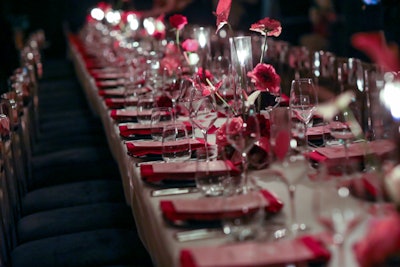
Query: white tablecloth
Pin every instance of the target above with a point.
(156, 234)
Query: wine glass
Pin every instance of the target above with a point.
(242, 132)
(339, 212)
(303, 102)
(175, 143)
(172, 85)
(340, 129)
(204, 114)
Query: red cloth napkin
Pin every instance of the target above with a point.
(305, 249)
(108, 75)
(211, 209)
(155, 172)
(129, 129)
(110, 83)
(118, 103)
(123, 114)
(142, 148)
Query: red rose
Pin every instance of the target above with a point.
(190, 45)
(267, 26)
(178, 21)
(381, 241)
(265, 78)
(222, 13)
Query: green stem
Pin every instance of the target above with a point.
(263, 48)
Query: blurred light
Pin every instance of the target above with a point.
(242, 56)
(113, 17)
(390, 96)
(202, 40)
(223, 33)
(133, 22)
(97, 14)
(193, 58)
(149, 25)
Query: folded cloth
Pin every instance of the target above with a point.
(378, 147)
(316, 131)
(123, 115)
(174, 171)
(212, 209)
(302, 250)
(128, 129)
(120, 91)
(108, 75)
(118, 103)
(142, 148)
(110, 83)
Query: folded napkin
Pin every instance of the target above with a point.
(123, 114)
(212, 209)
(129, 129)
(174, 171)
(110, 83)
(378, 147)
(108, 75)
(142, 148)
(118, 103)
(303, 250)
(316, 131)
(120, 91)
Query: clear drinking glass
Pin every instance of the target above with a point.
(208, 181)
(144, 107)
(175, 143)
(303, 101)
(160, 116)
(339, 212)
(242, 132)
(340, 129)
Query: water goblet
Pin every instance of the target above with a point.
(211, 183)
(204, 115)
(144, 107)
(160, 116)
(244, 214)
(340, 213)
(242, 132)
(303, 102)
(340, 129)
(175, 143)
(172, 85)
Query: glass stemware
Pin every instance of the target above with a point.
(341, 213)
(340, 130)
(172, 85)
(303, 101)
(242, 132)
(204, 115)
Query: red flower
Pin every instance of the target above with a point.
(178, 21)
(190, 45)
(381, 241)
(204, 75)
(170, 63)
(222, 13)
(171, 49)
(265, 78)
(374, 45)
(235, 126)
(267, 26)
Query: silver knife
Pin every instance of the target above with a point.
(173, 191)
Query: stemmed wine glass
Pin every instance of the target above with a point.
(339, 212)
(303, 102)
(340, 129)
(172, 85)
(242, 132)
(204, 114)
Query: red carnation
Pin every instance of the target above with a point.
(190, 45)
(222, 13)
(267, 26)
(265, 78)
(178, 21)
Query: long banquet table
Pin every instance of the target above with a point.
(157, 235)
